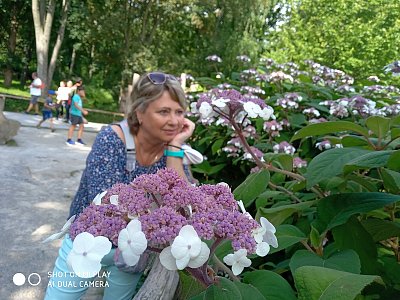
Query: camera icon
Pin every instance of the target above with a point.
(33, 279)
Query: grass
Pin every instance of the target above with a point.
(15, 89)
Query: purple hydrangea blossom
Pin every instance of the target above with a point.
(163, 203)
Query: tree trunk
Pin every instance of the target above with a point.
(57, 46)
(43, 15)
(72, 64)
(12, 42)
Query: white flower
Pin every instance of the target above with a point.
(132, 242)
(87, 253)
(238, 261)
(265, 236)
(267, 113)
(97, 199)
(62, 232)
(252, 109)
(220, 102)
(187, 250)
(206, 110)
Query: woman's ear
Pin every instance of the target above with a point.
(139, 116)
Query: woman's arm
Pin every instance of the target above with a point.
(177, 142)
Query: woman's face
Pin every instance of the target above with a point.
(162, 120)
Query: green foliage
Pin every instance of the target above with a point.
(331, 284)
(320, 30)
(336, 216)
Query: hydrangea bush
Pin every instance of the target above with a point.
(315, 151)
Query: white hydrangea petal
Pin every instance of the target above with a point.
(271, 239)
(241, 206)
(134, 226)
(97, 199)
(262, 249)
(267, 225)
(179, 247)
(83, 242)
(140, 243)
(114, 199)
(258, 234)
(123, 239)
(82, 266)
(199, 260)
(130, 258)
(229, 259)
(167, 260)
(205, 110)
(67, 224)
(245, 262)
(183, 262)
(237, 268)
(102, 246)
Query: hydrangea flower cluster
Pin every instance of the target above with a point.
(164, 213)
(326, 145)
(284, 147)
(214, 58)
(356, 105)
(393, 68)
(289, 101)
(243, 58)
(231, 105)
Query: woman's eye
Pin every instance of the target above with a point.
(163, 112)
(180, 112)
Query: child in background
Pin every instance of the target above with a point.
(62, 98)
(77, 112)
(47, 110)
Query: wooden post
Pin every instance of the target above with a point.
(160, 284)
(135, 78)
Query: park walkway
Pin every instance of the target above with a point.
(39, 175)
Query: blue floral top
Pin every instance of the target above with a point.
(105, 166)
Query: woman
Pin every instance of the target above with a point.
(156, 119)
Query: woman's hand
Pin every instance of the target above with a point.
(185, 133)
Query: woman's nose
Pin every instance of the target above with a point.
(174, 120)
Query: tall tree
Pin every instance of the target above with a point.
(43, 16)
(359, 37)
(15, 17)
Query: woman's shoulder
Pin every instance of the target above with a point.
(107, 137)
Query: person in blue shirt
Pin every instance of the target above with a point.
(76, 117)
(47, 113)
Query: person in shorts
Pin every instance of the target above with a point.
(76, 116)
(35, 91)
(47, 110)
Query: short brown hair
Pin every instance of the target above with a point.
(144, 92)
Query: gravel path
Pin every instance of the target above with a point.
(39, 175)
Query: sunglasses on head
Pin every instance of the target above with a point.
(160, 78)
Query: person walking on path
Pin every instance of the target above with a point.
(76, 115)
(47, 110)
(62, 98)
(35, 91)
(156, 123)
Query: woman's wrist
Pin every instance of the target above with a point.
(174, 153)
(174, 147)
